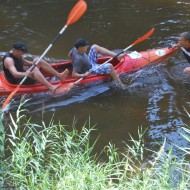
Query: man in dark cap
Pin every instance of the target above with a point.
(13, 67)
(84, 65)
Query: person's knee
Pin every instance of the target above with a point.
(96, 47)
(41, 61)
(36, 69)
(187, 70)
(111, 66)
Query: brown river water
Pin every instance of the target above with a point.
(156, 96)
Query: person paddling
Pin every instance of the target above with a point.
(13, 67)
(85, 65)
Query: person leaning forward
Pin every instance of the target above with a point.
(184, 43)
(84, 65)
(13, 67)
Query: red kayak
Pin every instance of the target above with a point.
(130, 62)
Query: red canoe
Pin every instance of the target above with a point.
(128, 63)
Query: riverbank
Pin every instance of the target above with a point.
(56, 156)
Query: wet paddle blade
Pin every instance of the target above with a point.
(64, 88)
(77, 11)
(148, 34)
(7, 101)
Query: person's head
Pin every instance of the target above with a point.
(81, 45)
(184, 39)
(20, 47)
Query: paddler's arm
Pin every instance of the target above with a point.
(9, 64)
(77, 69)
(26, 62)
(174, 46)
(70, 57)
(121, 56)
(78, 75)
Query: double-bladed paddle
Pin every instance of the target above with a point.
(67, 87)
(76, 12)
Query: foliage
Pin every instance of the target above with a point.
(51, 157)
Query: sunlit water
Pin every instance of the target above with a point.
(156, 96)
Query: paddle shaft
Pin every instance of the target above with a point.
(45, 52)
(76, 12)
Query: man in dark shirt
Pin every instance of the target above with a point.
(84, 65)
(13, 67)
(184, 43)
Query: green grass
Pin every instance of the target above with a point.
(47, 156)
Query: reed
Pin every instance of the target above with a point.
(2, 137)
(55, 156)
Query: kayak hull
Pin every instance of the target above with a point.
(130, 62)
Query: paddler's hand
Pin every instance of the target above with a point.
(174, 46)
(86, 74)
(121, 56)
(28, 73)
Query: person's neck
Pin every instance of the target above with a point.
(80, 51)
(187, 45)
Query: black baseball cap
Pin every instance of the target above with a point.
(81, 43)
(20, 46)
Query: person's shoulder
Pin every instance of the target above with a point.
(73, 51)
(8, 60)
(7, 54)
(8, 57)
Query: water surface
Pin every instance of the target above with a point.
(156, 95)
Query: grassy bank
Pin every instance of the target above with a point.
(51, 157)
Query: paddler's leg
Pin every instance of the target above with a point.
(115, 76)
(37, 75)
(105, 51)
(109, 70)
(187, 70)
(47, 68)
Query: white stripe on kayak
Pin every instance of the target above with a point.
(135, 55)
(185, 51)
